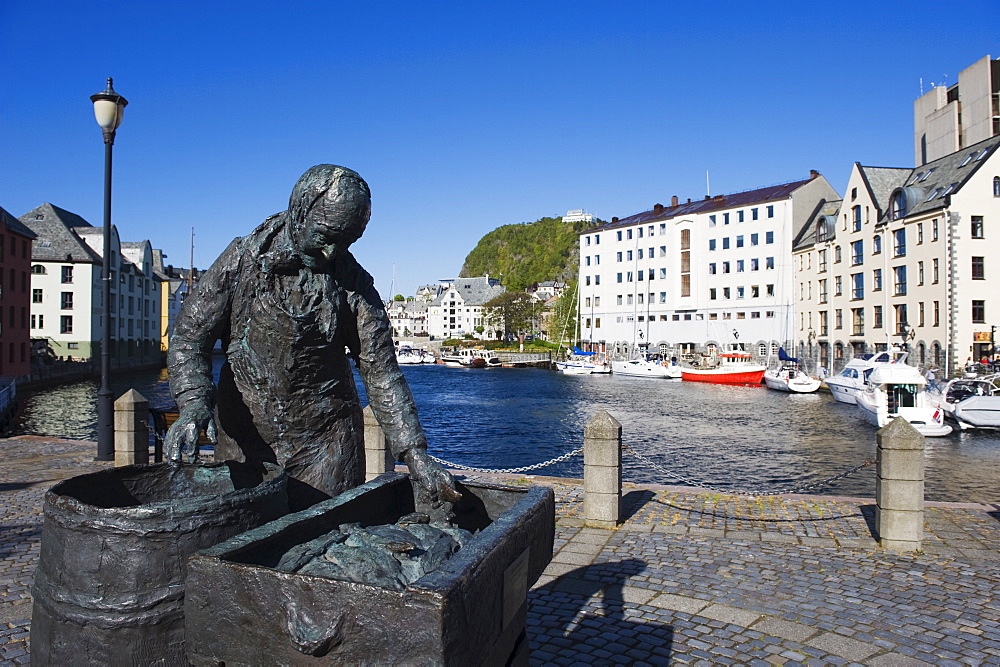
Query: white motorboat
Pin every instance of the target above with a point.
(468, 357)
(972, 402)
(849, 382)
(407, 355)
(897, 390)
(583, 363)
(790, 378)
(648, 366)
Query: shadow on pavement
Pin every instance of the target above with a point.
(633, 501)
(582, 617)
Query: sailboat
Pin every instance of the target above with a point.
(579, 362)
(789, 377)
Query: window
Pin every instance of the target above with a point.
(977, 227)
(629, 256)
(755, 264)
(877, 280)
(769, 236)
(711, 269)
(36, 295)
(978, 270)
(739, 292)
(856, 219)
(739, 266)
(754, 238)
(711, 220)
(725, 243)
(739, 241)
(934, 270)
(769, 262)
(619, 299)
(899, 275)
(838, 319)
(897, 207)
(822, 291)
(899, 243)
(663, 274)
(876, 317)
(66, 324)
(900, 318)
(597, 281)
(857, 252)
(770, 211)
(619, 256)
(628, 234)
(838, 287)
(857, 321)
(663, 297)
(920, 273)
(821, 263)
(587, 240)
(711, 293)
(725, 292)
(725, 218)
(836, 254)
(725, 267)
(996, 186)
(877, 244)
(711, 244)
(857, 285)
(979, 311)
(619, 277)
(937, 313)
(739, 216)
(628, 276)
(38, 269)
(587, 281)
(587, 260)
(67, 274)
(619, 235)
(770, 290)
(66, 299)
(753, 214)
(934, 229)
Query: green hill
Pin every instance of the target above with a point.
(546, 249)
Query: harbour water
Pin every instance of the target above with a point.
(730, 438)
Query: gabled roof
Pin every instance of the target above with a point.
(56, 238)
(14, 225)
(708, 205)
(930, 186)
(881, 181)
(135, 251)
(473, 291)
(826, 213)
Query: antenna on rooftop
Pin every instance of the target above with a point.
(708, 185)
(921, 86)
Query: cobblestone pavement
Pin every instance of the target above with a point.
(690, 577)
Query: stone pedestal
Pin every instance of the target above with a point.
(131, 429)
(377, 457)
(602, 471)
(899, 487)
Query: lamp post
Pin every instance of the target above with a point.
(109, 107)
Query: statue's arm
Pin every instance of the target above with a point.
(389, 395)
(199, 324)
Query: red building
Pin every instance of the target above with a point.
(15, 295)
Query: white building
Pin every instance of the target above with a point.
(905, 260)
(578, 215)
(458, 309)
(407, 318)
(66, 291)
(697, 275)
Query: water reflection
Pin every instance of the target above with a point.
(727, 437)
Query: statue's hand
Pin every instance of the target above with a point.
(183, 433)
(436, 484)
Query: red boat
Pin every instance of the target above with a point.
(733, 367)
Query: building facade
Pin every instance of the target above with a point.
(695, 276)
(67, 297)
(15, 262)
(458, 310)
(904, 260)
(949, 118)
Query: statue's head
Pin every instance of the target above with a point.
(328, 210)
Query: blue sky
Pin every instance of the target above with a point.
(462, 116)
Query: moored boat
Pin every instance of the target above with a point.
(583, 363)
(972, 402)
(897, 390)
(735, 366)
(471, 358)
(647, 366)
(846, 385)
(790, 378)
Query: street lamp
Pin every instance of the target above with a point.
(109, 107)
(907, 333)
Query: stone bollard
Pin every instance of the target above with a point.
(899, 486)
(602, 471)
(377, 457)
(131, 429)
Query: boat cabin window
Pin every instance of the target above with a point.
(901, 396)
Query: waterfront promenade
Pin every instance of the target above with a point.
(690, 577)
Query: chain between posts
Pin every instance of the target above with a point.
(558, 459)
(743, 492)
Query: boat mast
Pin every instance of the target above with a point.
(191, 265)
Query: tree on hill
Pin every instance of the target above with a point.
(528, 253)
